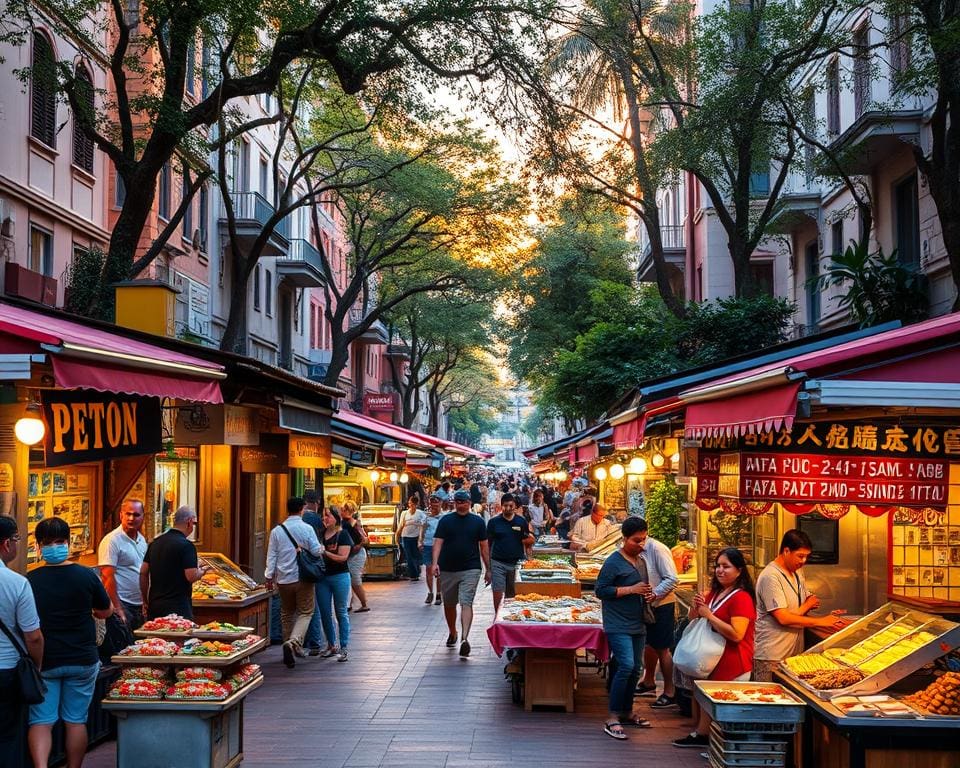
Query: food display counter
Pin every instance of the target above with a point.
(380, 523)
(552, 575)
(549, 631)
(226, 593)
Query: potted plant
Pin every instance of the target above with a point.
(664, 504)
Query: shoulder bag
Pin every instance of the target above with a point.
(310, 566)
(699, 650)
(28, 679)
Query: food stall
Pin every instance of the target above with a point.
(226, 593)
(180, 697)
(553, 575)
(876, 694)
(380, 523)
(549, 631)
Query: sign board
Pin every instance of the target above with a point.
(85, 425)
(304, 418)
(382, 403)
(270, 457)
(216, 425)
(309, 452)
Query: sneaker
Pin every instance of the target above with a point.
(314, 652)
(429, 598)
(288, 656)
(464, 648)
(437, 601)
(663, 701)
(329, 652)
(693, 740)
(342, 656)
(451, 639)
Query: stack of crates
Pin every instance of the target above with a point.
(750, 745)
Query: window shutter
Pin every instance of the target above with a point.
(44, 95)
(83, 144)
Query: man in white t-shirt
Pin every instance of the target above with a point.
(783, 605)
(18, 611)
(591, 527)
(119, 557)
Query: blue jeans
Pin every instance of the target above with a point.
(627, 650)
(335, 589)
(411, 553)
(314, 639)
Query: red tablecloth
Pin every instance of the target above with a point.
(509, 634)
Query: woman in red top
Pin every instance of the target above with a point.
(731, 609)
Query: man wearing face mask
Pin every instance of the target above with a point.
(169, 569)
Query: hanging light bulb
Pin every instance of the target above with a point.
(617, 471)
(561, 476)
(658, 460)
(30, 428)
(600, 473)
(394, 477)
(675, 459)
(637, 465)
(404, 477)
(374, 475)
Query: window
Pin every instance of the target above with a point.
(861, 70)
(202, 214)
(907, 222)
(264, 177)
(119, 191)
(256, 287)
(41, 250)
(808, 120)
(268, 293)
(762, 273)
(163, 195)
(82, 143)
(836, 238)
(43, 97)
(760, 183)
(206, 62)
(833, 98)
(187, 228)
(812, 272)
(900, 46)
(191, 67)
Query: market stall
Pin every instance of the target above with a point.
(553, 575)
(180, 697)
(380, 523)
(549, 631)
(226, 593)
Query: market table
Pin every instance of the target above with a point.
(549, 659)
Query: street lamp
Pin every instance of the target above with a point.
(404, 478)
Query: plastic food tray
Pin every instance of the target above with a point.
(210, 634)
(753, 741)
(193, 661)
(748, 712)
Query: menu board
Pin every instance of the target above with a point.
(925, 554)
(69, 493)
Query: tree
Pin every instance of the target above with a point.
(930, 37)
(151, 48)
(469, 392)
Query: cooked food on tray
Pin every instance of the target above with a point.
(835, 678)
(543, 564)
(136, 689)
(151, 646)
(143, 673)
(170, 623)
(194, 647)
(198, 690)
(761, 694)
(941, 697)
(807, 665)
(223, 626)
(191, 674)
(554, 610)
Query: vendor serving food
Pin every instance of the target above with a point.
(593, 526)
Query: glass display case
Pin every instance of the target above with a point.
(873, 652)
(224, 580)
(379, 521)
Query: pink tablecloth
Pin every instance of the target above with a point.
(508, 634)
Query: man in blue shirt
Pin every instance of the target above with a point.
(509, 534)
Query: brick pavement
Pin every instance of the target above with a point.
(405, 700)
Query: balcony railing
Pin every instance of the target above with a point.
(305, 251)
(673, 237)
(252, 206)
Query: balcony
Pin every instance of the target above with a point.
(794, 210)
(375, 334)
(252, 211)
(25, 283)
(399, 349)
(674, 239)
(302, 265)
(875, 136)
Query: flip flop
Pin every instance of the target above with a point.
(636, 722)
(614, 731)
(645, 690)
(365, 609)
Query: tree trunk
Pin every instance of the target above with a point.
(339, 356)
(234, 335)
(433, 424)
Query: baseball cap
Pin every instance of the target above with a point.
(461, 496)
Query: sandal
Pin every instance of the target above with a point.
(636, 722)
(362, 609)
(614, 731)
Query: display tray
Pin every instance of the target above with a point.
(786, 709)
(241, 601)
(193, 661)
(211, 634)
(174, 705)
(166, 634)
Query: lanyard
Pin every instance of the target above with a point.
(798, 590)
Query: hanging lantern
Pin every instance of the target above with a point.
(658, 460)
(394, 477)
(374, 475)
(599, 474)
(637, 466)
(617, 471)
(30, 428)
(404, 478)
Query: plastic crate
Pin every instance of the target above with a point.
(748, 759)
(739, 728)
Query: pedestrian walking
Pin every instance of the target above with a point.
(333, 592)
(119, 558)
(358, 552)
(622, 586)
(460, 546)
(68, 597)
(297, 597)
(411, 523)
(313, 641)
(538, 514)
(20, 635)
(509, 535)
(170, 567)
(427, 534)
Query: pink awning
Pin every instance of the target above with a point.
(587, 453)
(629, 435)
(390, 431)
(760, 411)
(72, 374)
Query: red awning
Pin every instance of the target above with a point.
(760, 411)
(93, 358)
(587, 453)
(390, 431)
(629, 435)
(543, 466)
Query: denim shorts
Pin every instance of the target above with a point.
(69, 693)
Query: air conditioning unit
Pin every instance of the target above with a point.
(317, 371)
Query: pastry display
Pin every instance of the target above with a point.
(136, 689)
(222, 626)
(192, 674)
(806, 665)
(241, 676)
(169, 623)
(941, 697)
(151, 646)
(245, 642)
(198, 690)
(213, 586)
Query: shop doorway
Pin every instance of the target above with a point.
(260, 498)
(176, 486)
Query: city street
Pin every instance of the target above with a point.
(404, 699)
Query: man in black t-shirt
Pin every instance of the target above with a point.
(459, 546)
(509, 534)
(169, 569)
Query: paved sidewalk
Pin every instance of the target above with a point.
(405, 700)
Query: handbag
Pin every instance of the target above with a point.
(701, 646)
(28, 680)
(311, 567)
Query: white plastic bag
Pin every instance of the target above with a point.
(701, 646)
